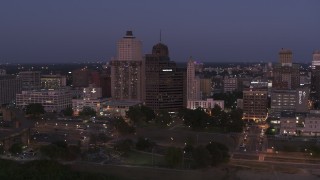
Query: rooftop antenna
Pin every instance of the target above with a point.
(160, 35)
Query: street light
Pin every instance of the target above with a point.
(183, 152)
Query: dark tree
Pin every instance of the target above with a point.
(201, 157)
(163, 118)
(123, 146)
(219, 153)
(123, 127)
(216, 110)
(60, 150)
(68, 111)
(229, 98)
(35, 109)
(148, 113)
(197, 119)
(173, 157)
(140, 113)
(144, 144)
(270, 130)
(16, 148)
(87, 111)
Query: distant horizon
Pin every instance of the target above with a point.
(93, 62)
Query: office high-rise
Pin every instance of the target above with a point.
(286, 74)
(285, 57)
(316, 58)
(127, 70)
(193, 82)
(315, 79)
(165, 82)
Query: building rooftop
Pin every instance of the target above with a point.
(285, 51)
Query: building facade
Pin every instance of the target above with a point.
(316, 58)
(255, 103)
(52, 100)
(53, 81)
(127, 78)
(315, 79)
(9, 87)
(117, 108)
(288, 124)
(79, 104)
(193, 82)
(286, 75)
(205, 104)
(281, 101)
(31, 80)
(312, 124)
(165, 82)
(205, 87)
(230, 84)
(81, 77)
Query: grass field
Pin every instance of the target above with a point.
(144, 159)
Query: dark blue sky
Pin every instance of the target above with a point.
(208, 30)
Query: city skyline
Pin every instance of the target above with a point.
(78, 31)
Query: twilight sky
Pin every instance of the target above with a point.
(208, 30)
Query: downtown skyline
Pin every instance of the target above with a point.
(78, 31)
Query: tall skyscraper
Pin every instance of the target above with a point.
(315, 79)
(193, 82)
(127, 70)
(316, 59)
(286, 74)
(285, 57)
(165, 82)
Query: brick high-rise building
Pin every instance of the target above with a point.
(255, 103)
(286, 75)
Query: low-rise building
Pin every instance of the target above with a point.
(52, 100)
(205, 104)
(117, 107)
(312, 124)
(288, 124)
(79, 104)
